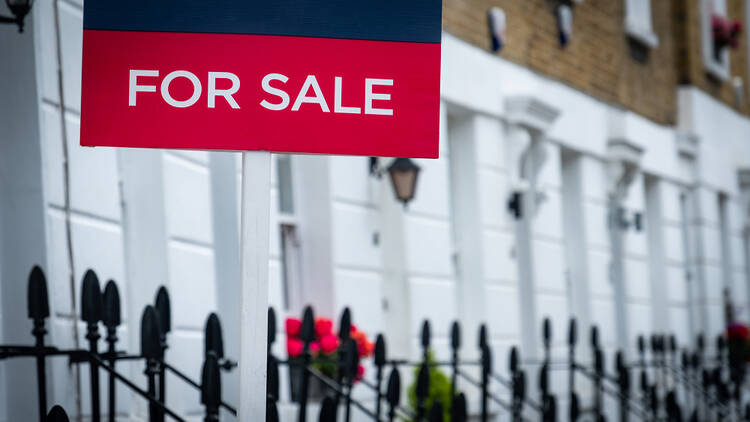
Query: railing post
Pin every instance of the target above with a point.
(211, 388)
(455, 346)
(574, 405)
(351, 362)
(272, 382)
(307, 335)
(674, 413)
(549, 403)
(623, 383)
(700, 344)
(436, 412)
(56, 414)
(328, 410)
(688, 380)
(91, 313)
(272, 413)
(38, 311)
(486, 356)
(425, 336)
(150, 350)
(518, 382)
(111, 320)
(598, 376)
(345, 325)
(422, 390)
(459, 412)
(379, 360)
(163, 308)
(393, 393)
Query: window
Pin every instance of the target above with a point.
(715, 63)
(638, 22)
(291, 271)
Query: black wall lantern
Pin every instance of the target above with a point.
(625, 220)
(404, 174)
(514, 205)
(19, 8)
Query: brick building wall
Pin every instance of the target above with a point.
(601, 60)
(689, 50)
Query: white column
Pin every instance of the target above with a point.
(467, 225)
(22, 211)
(144, 238)
(656, 256)
(223, 170)
(575, 235)
(396, 289)
(312, 175)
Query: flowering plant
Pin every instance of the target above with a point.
(324, 347)
(738, 341)
(725, 33)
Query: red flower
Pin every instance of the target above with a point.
(294, 347)
(352, 329)
(329, 343)
(738, 332)
(315, 347)
(323, 326)
(293, 327)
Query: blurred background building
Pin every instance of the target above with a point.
(595, 163)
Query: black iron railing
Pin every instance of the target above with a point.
(673, 384)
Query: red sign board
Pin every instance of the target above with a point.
(161, 83)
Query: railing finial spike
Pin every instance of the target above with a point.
(111, 310)
(164, 309)
(91, 298)
(38, 298)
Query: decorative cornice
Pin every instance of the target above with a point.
(624, 160)
(531, 112)
(625, 151)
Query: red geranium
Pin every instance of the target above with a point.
(737, 332)
(294, 347)
(323, 327)
(325, 344)
(329, 343)
(293, 327)
(360, 372)
(725, 32)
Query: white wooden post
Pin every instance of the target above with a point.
(256, 184)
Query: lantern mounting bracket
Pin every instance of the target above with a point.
(19, 8)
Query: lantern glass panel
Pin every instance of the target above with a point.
(404, 184)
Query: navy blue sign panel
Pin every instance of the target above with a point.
(376, 20)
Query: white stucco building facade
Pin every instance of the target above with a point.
(147, 218)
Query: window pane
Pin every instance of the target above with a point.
(286, 197)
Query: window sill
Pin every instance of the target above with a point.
(715, 69)
(644, 36)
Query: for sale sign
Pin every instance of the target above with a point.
(358, 77)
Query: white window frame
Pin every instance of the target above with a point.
(289, 239)
(639, 23)
(718, 69)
